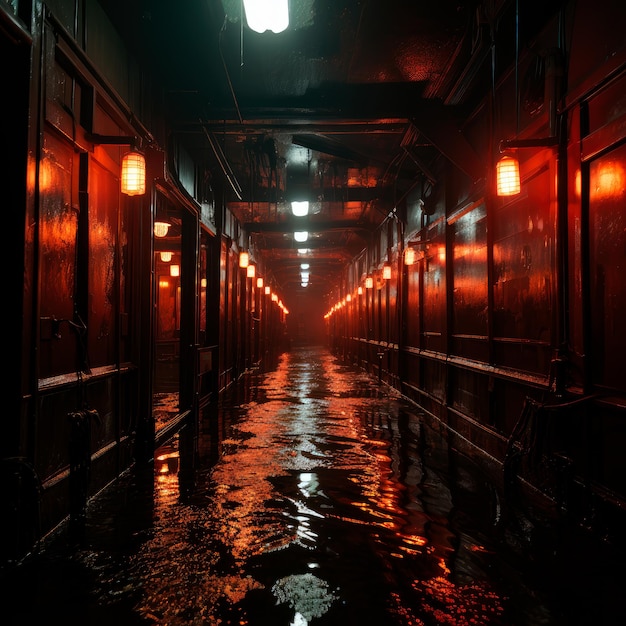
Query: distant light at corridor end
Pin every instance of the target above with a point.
(300, 209)
(301, 236)
(265, 15)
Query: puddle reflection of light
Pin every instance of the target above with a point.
(308, 484)
(306, 594)
(167, 463)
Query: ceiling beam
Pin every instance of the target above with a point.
(311, 226)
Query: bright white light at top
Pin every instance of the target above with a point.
(301, 235)
(265, 15)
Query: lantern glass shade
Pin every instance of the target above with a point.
(174, 270)
(409, 256)
(259, 282)
(369, 282)
(267, 290)
(386, 272)
(161, 228)
(251, 271)
(360, 290)
(166, 257)
(244, 259)
(133, 179)
(507, 176)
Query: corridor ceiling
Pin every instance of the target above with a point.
(349, 108)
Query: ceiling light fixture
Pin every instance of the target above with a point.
(301, 236)
(265, 15)
(300, 209)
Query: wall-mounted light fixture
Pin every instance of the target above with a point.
(410, 256)
(166, 257)
(507, 176)
(174, 270)
(133, 174)
(251, 270)
(265, 15)
(369, 282)
(507, 168)
(244, 259)
(161, 228)
(133, 177)
(386, 271)
(267, 290)
(259, 282)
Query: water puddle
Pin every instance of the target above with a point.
(329, 500)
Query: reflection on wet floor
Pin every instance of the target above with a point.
(320, 498)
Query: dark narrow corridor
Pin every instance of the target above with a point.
(321, 497)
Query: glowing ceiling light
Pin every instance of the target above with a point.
(300, 209)
(301, 236)
(265, 15)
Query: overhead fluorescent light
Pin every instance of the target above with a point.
(265, 15)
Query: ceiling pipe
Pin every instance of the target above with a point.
(223, 163)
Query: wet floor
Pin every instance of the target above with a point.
(320, 498)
